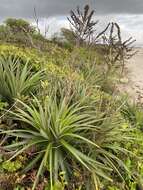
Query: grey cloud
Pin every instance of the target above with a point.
(119, 6)
(45, 8)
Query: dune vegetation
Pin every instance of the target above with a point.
(64, 125)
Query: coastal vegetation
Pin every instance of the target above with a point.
(64, 125)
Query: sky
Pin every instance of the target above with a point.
(53, 13)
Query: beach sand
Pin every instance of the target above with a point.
(134, 76)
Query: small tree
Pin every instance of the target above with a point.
(19, 25)
(22, 32)
(82, 24)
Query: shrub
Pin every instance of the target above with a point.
(52, 55)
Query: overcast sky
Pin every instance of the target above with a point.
(128, 13)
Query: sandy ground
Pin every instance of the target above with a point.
(134, 76)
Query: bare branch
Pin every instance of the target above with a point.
(82, 24)
(36, 20)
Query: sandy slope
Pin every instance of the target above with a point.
(134, 67)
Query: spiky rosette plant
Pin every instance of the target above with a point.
(61, 133)
(17, 79)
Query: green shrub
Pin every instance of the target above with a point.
(11, 166)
